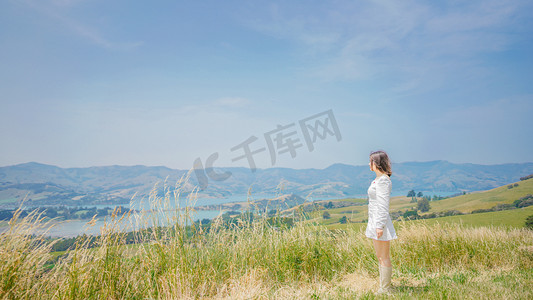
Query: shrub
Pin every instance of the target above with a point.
(411, 214)
(525, 201)
(481, 210)
(526, 177)
(452, 212)
(423, 205)
(503, 206)
(430, 216)
(529, 222)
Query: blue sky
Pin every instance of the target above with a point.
(92, 83)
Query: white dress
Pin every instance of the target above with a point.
(378, 209)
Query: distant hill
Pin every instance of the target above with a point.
(52, 185)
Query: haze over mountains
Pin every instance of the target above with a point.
(52, 185)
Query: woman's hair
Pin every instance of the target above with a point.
(381, 161)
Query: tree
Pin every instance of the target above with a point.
(6, 214)
(329, 205)
(343, 220)
(86, 215)
(51, 212)
(411, 214)
(423, 205)
(420, 194)
(102, 212)
(326, 215)
(529, 222)
(526, 177)
(411, 193)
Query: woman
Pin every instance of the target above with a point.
(379, 227)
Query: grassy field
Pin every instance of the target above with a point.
(252, 260)
(509, 218)
(487, 199)
(464, 203)
(515, 218)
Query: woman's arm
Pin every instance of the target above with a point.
(383, 190)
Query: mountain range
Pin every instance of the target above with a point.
(43, 184)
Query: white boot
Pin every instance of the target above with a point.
(384, 280)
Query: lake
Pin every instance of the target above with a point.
(70, 228)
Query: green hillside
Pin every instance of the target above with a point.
(357, 211)
(487, 199)
(506, 218)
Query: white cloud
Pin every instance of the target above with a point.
(403, 40)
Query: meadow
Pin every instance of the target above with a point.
(252, 259)
(355, 210)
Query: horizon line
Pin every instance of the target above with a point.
(338, 163)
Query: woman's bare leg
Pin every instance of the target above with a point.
(383, 252)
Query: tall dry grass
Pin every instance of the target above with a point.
(181, 260)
